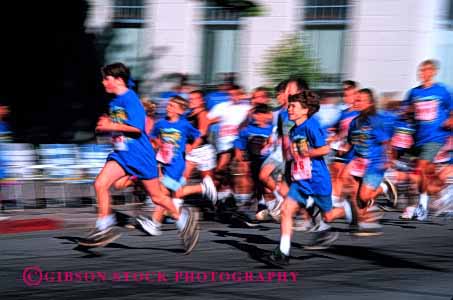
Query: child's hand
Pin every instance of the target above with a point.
(189, 148)
(104, 124)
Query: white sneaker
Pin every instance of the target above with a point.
(348, 214)
(445, 202)
(408, 213)
(149, 226)
(276, 211)
(209, 190)
(303, 225)
(421, 213)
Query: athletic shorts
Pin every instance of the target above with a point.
(323, 202)
(204, 157)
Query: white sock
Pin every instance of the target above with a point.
(105, 222)
(178, 203)
(285, 244)
(336, 201)
(183, 218)
(384, 187)
(423, 201)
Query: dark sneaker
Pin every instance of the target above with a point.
(277, 258)
(191, 233)
(100, 238)
(323, 240)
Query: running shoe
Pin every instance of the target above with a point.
(421, 214)
(392, 193)
(262, 212)
(365, 229)
(209, 190)
(303, 225)
(277, 258)
(149, 226)
(100, 238)
(323, 240)
(190, 233)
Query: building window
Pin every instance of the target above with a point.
(128, 13)
(324, 23)
(220, 41)
(126, 38)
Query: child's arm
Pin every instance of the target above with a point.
(105, 124)
(238, 154)
(194, 145)
(317, 152)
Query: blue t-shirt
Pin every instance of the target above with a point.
(367, 137)
(311, 135)
(174, 136)
(253, 139)
(214, 98)
(432, 107)
(389, 118)
(133, 153)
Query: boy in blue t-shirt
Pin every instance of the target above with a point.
(133, 155)
(170, 136)
(432, 106)
(309, 175)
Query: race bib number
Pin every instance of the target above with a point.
(119, 143)
(228, 130)
(402, 140)
(426, 110)
(358, 166)
(301, 168)
(165, 153)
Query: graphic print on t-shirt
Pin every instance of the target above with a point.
(119, 141)
(301, 166)
(169, 148)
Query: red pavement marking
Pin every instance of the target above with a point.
(38, 224)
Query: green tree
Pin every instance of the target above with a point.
(291, 57)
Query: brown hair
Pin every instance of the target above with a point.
(307, 99)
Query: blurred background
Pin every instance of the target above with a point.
(53, 51)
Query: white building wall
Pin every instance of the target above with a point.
(176, 37)
(387, 40)
(261, 33)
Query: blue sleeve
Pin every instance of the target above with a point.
(135, 113)
(192, 132)
(317, 136)
(241, 141)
